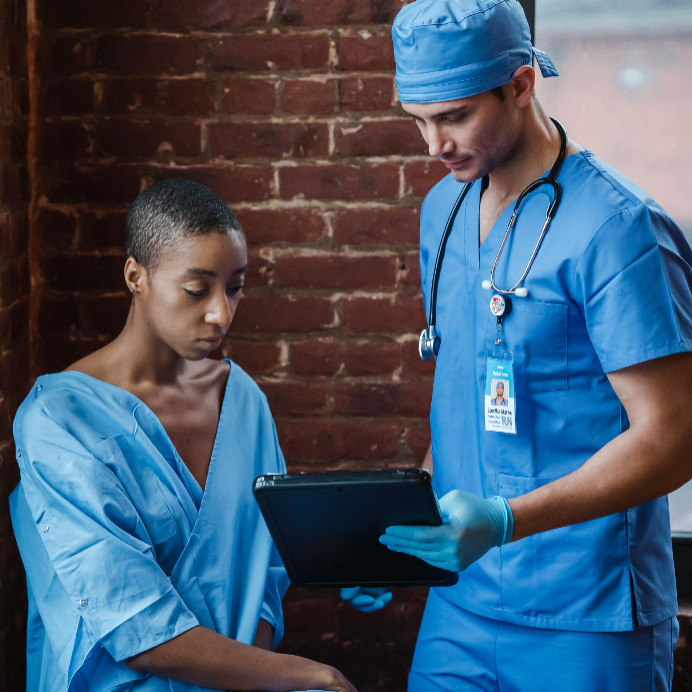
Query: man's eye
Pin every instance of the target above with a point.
(455, 117)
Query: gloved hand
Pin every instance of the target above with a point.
(367, 599)
(472, 526)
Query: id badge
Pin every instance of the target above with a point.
(499, 396)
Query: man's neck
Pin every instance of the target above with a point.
(534, 154)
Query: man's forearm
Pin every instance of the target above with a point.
(650, 459)
(621, 475)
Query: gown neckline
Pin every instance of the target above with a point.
(187, 477)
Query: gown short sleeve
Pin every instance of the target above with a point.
(88, 527)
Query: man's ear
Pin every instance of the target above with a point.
(135, 275)
(523, 83)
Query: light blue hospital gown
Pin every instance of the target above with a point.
(122, 548)
(610, 287)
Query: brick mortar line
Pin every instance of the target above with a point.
(319, 253)
(95, 33)
(297, 74)
(289, 205)
(240, 163)
(306, 75)
(159, 117)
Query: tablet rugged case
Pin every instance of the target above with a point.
(326, 526)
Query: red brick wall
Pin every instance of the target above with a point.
(14, 291)
(286, 108)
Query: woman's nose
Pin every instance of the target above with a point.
(219, 312)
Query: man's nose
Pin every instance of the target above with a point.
(438, 141)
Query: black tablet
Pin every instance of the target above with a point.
(326, 526)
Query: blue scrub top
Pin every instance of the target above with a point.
(610, 287)
(123, 549)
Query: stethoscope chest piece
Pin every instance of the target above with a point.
(428, 344)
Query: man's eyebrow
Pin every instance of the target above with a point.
(452, 111)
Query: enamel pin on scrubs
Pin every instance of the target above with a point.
(499, 380)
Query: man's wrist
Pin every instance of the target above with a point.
(507, 520)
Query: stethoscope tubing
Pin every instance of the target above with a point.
(441, 251)
(550, 179)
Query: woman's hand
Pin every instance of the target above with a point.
(338, 682)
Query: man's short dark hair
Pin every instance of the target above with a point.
(170, 211)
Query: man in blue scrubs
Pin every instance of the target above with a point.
(149, 566)
(558, 520)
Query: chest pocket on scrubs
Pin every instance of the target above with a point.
(536, 334)
(148, 494)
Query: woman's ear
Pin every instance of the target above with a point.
(523, 83)
(135, 275)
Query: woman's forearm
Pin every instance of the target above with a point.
(264, 636)
(208, 659)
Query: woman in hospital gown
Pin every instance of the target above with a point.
(148, 564)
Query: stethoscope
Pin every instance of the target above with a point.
(429, 342)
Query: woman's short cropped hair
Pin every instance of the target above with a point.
(168, 213)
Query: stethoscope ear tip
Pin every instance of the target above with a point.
(520, 292)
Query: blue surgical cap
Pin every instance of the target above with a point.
(451, 49)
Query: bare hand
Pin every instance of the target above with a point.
(340, 684)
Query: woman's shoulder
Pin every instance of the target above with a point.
(71, 400)
(100, 365)
(53, 415)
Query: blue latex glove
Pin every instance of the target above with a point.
(367, 599)
(472, 526)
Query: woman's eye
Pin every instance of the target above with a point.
(234, 290)
(197, 293)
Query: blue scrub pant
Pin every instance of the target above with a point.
(459, 651)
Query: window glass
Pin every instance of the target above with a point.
(624, 93)
(623, 90)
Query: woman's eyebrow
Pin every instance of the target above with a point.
(194, 271)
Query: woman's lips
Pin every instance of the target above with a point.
(212, 341)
